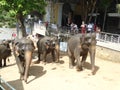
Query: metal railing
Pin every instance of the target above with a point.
(102, 36)
(109, 37)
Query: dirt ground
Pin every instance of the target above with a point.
(58, 76)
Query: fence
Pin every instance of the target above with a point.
(109, 37)
(104, 39)
(103, 36)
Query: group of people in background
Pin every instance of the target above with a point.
(89, 28)
(85, 28)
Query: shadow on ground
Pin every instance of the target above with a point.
(88, 66)
(17, 85)
(36, 71)
(49, 59)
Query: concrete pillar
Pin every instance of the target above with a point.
(60, 14)
(47, 17)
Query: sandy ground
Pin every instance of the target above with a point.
(58, 76)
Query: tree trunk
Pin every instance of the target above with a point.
(93, 8)
(96, 16)
(104, 19)
(21, 30)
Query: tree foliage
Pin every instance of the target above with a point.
(24, 6)
(19, 8)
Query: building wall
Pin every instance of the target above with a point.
(54, 13)
(47, 16)
(108, 54)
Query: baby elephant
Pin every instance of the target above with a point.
(80, 45)
(5, 52)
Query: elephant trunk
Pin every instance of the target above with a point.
(77, 53)
(28, 58)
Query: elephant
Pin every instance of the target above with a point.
(5, 51)
(23, 50)
(80, 45)
(48, 45)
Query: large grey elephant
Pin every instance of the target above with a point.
(48, 45)
(80, 45)
(23, 50)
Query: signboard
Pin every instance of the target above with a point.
(63, 46)
(39, 28)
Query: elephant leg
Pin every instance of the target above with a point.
(71, 61)
(57, 50)
(53, 55)
(22, 74)
(39, 56)
(77, 53)
(4, 61)
(0, 62)
(83, 60)
(78, 65)
(28, 59)
(44, 57)
(20, 66)
(92, 59)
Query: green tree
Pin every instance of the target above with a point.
(19, 8)
(6, 20)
